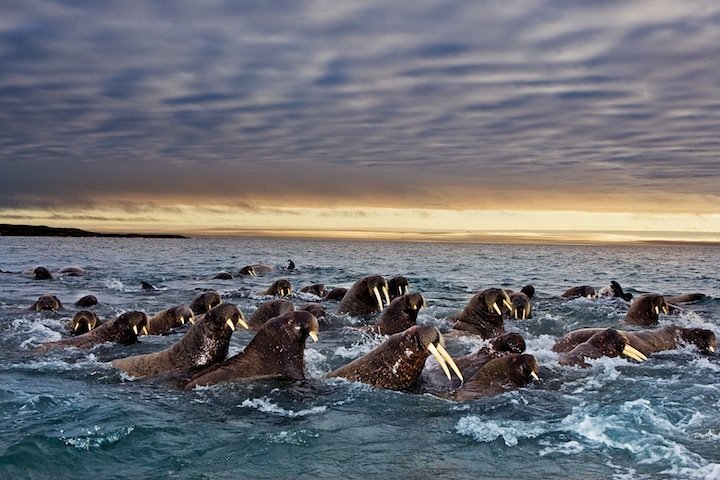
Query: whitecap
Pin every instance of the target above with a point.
(291, 438)
(489, 430)
(95, 439)
(266, 406)
(315, 363)
(114, 284)
(572, 447)
(360, 348)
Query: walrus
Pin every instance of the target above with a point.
(42, 273)
(268, 310)
(166, 320)
(364, 296)
(647, 341)
(222, 276)
(260, 268)
(86, 301)
(396, 363)
(645, 310)
(616, 291)
(205, 344)
(47, 302)
(685, 298)
(316, 309)
(398, 286)
(483, 314)
(433, 377)
(317, 289)
(276, 350)
(71, 271)
(82, 322)
(279, 288)
(581, 291)
(499, 375)
(204, 302)
(147, 286)
(606, 343)
(336, 293)
(520, 306)
(400, 315)
(124, 330)
(248, 270)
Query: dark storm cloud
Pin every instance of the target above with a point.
(400, 103)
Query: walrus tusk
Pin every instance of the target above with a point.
(525, 313)
(377, 297)
(666, 309)
(90, 327)
(633, 353)
(657, 310)
(534, 376)
(497, 309)
(230, 324)
(182, 320)
(414, 307)
(450, 362)
(711, 349)
(386, 294)
(507, 304)
(77, 325)
(135, 329)
(145, 330)
(313, 335)
(440, 359)
(191, 320)
(241, 321)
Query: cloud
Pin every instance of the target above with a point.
(436, 104)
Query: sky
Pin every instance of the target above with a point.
(404, 119)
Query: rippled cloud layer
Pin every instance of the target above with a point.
(535, 104)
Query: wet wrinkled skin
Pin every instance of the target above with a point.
(396, 364)
(166, 320)
(317, 289)
(434, 378)
(400, 315)
(279, 288)
(648, 341)
(268, 310)
(83, 322)
(47, 302)
(499, 375)
(582, 291)
(205, 344)
(336, 293)
(366, 296)
(71, 271)
(205, 302)
(124, 330)
(222, 276)
(248, 270)
(398, 286)
(86, 301)
(480, 316)
(277, 350)
(645, 310)
(316, 309)
(606, 343)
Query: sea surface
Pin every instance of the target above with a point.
(69, 414)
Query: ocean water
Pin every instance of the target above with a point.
(69, 414)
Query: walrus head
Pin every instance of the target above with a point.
(376, 291)
(42, 273)
(499, 375)
(508, 342)
(520, 306)
(483, 313)
(401, 314)
(606, 343)
(47, 302)
(83, 321)
(705, 340)
(205, 302)
(398, 286)
(129, 326)
(645, 310)
(248, 270)
(618, 291)
(396, 363)
(279, 288)
(268, 310)
(86, 301)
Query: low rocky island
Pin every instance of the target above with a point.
(8, 230)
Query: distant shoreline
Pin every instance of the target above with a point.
(8, 230)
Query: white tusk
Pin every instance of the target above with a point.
(135, 329)
(496, 308)
(77, 325)
(666, 309)
(711, 349)
(313, 335)
(387, 295)
(230, 324)
(377, 296)
(145, 330)
(535, 376)
(657, 310)
(241, 321)
(182, 320)
(634, 353)
(440, 360)
(405, 289)
(450, 362)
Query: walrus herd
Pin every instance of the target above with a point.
(413, 357)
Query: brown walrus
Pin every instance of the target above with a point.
(336, 293)
(268, 310)
(645, 310)
(42, 273)
(521, 307)
(47, 302)
(606, 343)
(398, 286)
(82, 322)
(205, 344)
(317, 289)
(86, 301)
(204, 302)
(647, 341)
(499, 375)
(433, 377)
(277, 350)
(124, 330)
(580, 291)
(483, 314)
(396, 363)
(365, 296)
(166, 320)
(400, 315)
(279, 288)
